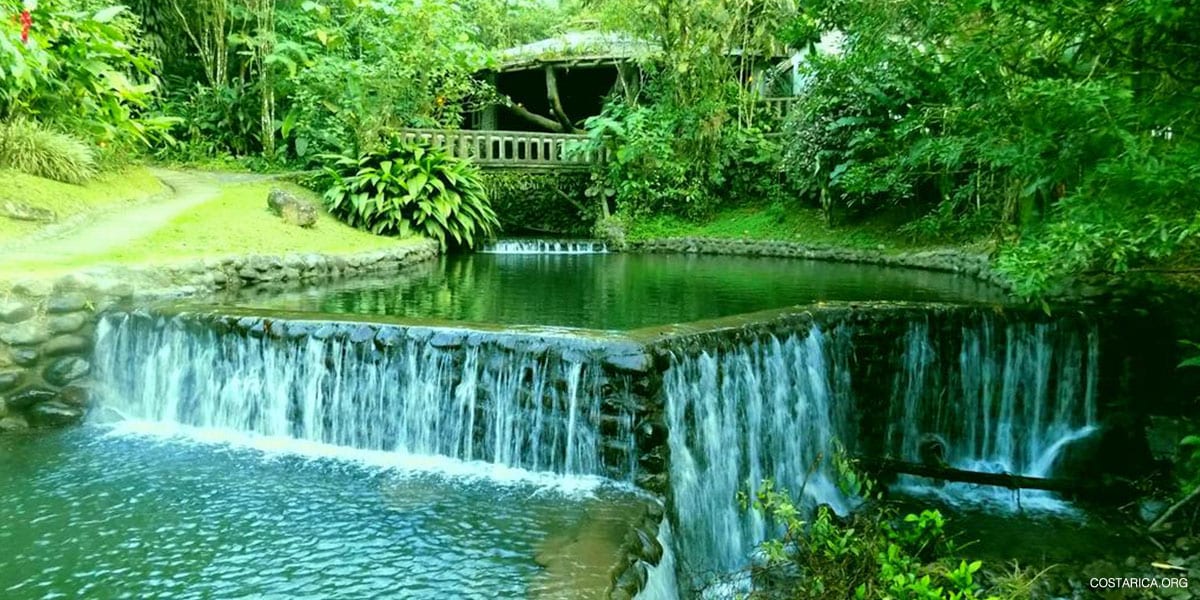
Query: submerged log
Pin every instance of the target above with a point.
(1091, 488)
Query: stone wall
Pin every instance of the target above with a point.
(45, 346)
(47, 324)
(948, 260)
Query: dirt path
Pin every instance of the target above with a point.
(97, 234)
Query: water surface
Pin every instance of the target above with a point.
(617, 291)
(90, 514)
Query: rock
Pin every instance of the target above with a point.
(75, 395)
(68, 323)
(292, 209)
(28, 333)
(651, 549)
(15, 311)
(55, 414)
(25, 357)
(29, 398)
(21, 211)
(67, 344)
(66, 370)
(35, 288)
(1149, 510)
(447, 339)
(10, 379)
(13, 423)
(361, 334)
(634, 362)
(67, 303)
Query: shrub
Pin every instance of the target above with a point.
(544, 203)
(401, 188)
(29, 148)
(873, 554)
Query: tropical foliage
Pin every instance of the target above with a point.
(1067, 128)
(402, 188)
(872, 554)
(82, 71)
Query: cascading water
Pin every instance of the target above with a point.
(1017, 394)
(518, 246)
(763, 410)
(531, 409)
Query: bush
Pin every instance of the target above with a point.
(402, 188)
(29, 148)
(872, 554)
(543, 203)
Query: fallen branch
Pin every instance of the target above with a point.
(1162, 519)
(1005, 480)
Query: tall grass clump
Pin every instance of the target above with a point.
(28, 147)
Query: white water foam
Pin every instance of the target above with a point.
(397, 463)
(547, 247)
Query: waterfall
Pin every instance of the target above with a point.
(736, 417)
(534, 409)
(1004, 398)
(518, 246)
(661, 583)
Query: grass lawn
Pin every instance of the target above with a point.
(803, 225)
(233, 221)
(237, 222)
(67, 200)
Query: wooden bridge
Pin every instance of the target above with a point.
(535, 150)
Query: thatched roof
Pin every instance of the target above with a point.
(576, 48)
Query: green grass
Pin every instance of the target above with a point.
(803, 225)
(237, 222)
(67, 200)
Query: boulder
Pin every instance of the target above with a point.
(13, 423)
(67, 344)
(21, 211)
(28, 333)
(55, 414)
(68, 323)
(65, 370)
(24, 357)
(10, 379)
(30, 398)
(66, 303)
(77, 396)
(15, 311)
(292, 209)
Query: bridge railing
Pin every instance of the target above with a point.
(523, 149)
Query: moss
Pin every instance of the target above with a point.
(66, 200)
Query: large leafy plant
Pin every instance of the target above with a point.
(401, 188)
(81, 70)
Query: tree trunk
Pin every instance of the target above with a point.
(556, 105)
(1005, 480)
(536, 119)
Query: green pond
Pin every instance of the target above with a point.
(92, 514)
(617, 291)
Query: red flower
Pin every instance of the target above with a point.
(26, 25)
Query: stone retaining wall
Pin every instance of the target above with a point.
(47, 325)
(948, 260)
